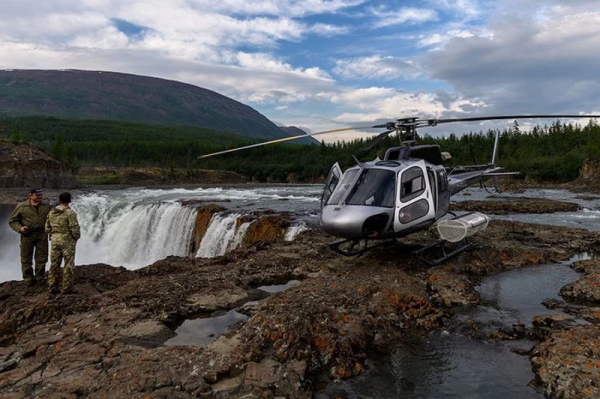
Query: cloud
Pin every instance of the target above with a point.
(404, 15)
(376, 67)
(524, 65)
(291, 8)
(437, 40)
(377, 104)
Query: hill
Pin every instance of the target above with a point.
(100, 95)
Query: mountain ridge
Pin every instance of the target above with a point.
(84, 94)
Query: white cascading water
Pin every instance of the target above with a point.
(222, 236)
(136, 234)
(219, 235)
(294, 230)
(131, 234)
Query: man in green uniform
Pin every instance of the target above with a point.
(28, 219)
(64, 231)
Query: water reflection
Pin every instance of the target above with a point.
(203, 331)
(516, 296)
(452, 365)
(442, 365)
(278, 287)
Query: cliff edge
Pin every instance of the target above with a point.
(24, 165)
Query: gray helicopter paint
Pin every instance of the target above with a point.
(344, 220)
(347, 221)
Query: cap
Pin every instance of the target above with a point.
(37, 191)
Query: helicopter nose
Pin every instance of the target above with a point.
(353, 222)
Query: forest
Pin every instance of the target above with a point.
(553, 152)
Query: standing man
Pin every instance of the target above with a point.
(64, 231)
(28, 219)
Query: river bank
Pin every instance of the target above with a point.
(106, 340)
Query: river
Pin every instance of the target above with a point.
(135, 227)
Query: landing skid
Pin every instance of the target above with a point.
(358, 247)
(432, 254)
(428, 253)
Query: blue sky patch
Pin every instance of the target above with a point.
(127, 28)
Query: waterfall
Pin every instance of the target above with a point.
(123, 232)
(220, 235)
(131, 234)
(294, 230)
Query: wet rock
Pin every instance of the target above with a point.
(209, 302)
(515, 205)
(569, 308)
(267, 228)
(106, 340)
(584, 290)
(567, 364)
(449, 289)
(554, 320)
(587, 266)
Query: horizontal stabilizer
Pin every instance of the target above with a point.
(502, 173)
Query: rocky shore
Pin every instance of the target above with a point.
(106, 340)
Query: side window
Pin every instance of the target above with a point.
(412, 184)
(343, 187)
(414, 211)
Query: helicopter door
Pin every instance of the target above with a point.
(414, 199)
(331, 183)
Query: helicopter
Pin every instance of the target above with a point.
(375, 203)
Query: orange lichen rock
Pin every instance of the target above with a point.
(203, 217)
(267, 228)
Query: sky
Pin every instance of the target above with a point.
(327, 64)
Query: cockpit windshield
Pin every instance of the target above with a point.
(374, 187)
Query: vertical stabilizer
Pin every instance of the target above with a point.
(494, 154)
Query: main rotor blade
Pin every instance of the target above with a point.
(279, 141)
(433, 122)
(376, 140)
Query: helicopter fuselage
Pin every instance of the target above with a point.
(405, 192)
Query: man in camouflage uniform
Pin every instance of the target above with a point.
(28, 219)
(63, 227)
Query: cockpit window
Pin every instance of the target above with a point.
(341, 189)
(374, 187)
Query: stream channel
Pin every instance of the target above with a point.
(449, 364)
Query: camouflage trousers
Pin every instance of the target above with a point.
(63, 247)
(35, 242)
